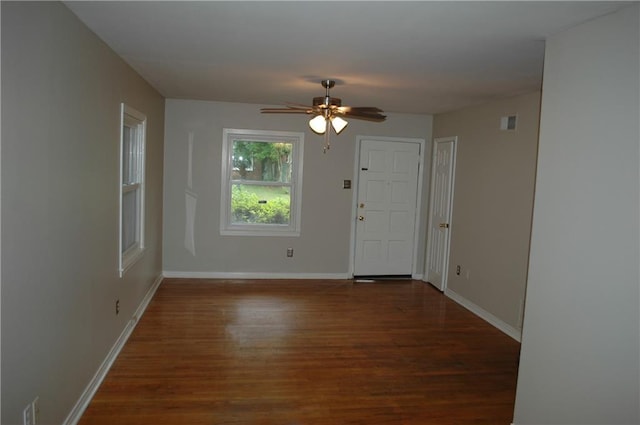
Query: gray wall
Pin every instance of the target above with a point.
(492, 204)
(580, 349)
(323, 245)
(61, 94)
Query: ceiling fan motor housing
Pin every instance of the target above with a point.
(327, 102)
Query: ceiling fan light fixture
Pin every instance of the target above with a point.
(338, 124)
(318, 124)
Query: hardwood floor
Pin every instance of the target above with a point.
(308, 352)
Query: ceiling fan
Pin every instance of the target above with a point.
(329, 112)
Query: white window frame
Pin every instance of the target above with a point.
(229, 135)
(137, 123)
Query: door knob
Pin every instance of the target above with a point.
(361, 218)
(444, 225)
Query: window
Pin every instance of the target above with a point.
(132, 148)
(261, 183)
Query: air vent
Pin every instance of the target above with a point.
(508, 122)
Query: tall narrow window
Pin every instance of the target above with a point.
(261, 183)
(132, 152)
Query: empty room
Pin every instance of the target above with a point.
(368, 212)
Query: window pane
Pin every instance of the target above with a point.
(261, 161)
(129, 156)
(256, 204)
(129, 219)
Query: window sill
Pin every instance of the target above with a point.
(259, 232)
(129, 258)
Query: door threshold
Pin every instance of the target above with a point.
(380, 278)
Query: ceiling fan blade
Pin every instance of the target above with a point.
(374, 118)
(364, 109)
(363, 115)
(285, 111)
(297, 105)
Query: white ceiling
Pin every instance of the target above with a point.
(419, 57)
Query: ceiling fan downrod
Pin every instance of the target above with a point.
(327, 84)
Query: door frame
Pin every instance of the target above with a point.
(447, 253)
(354, 202)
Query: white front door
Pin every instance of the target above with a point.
(386, 207)
(440, 200)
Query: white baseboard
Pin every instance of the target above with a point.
(253, 275)
(83, 402)
(485, 315)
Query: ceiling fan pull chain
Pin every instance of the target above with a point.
(327, 145)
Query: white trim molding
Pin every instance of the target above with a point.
(253, 275)
(485, 315)
(265, 276)
(132, 183)
(85, 398)
(227, 225)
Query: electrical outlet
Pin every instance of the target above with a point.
(117, 307)
(289, 252)
(458, 270)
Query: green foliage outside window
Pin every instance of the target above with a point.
(273, 158)
(246, 207)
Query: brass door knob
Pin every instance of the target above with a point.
(361, 218)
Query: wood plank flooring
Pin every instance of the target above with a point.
(308, 352)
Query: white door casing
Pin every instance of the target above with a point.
(440, 209)
(388, 172)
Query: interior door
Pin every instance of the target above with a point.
(441, 197)
(386, 207)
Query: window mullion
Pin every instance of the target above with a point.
(259, 183)
(126, 188)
